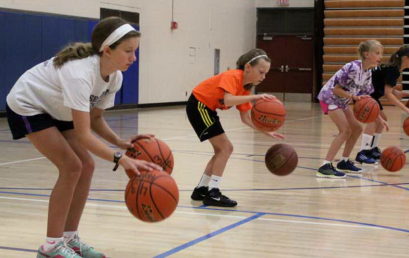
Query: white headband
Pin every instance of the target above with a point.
(256, 57)
(116, 35)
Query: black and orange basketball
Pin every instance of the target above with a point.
(268, 115)
(153, 150)
(366, 110)
(393, 159)
(281, 159)
(152, 196)
(406, 126)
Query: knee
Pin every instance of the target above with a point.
(346, 132)
(88, 167)
(71, 170)
(357, 130)
(226, 149)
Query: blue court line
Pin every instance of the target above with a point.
(251, 212)
(208, 236)
(380, 183)
(18, 249)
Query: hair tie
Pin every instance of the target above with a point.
(256, 57)
(116, 35)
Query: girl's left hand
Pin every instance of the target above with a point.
(276, 135)
(128, 144)
(357, 98)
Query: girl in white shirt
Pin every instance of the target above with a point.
(56, 105)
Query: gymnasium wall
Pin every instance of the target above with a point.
(171, 62)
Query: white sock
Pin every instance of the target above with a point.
(366, 141)
(68, 235)
(204, 181)
(214, 182)
(51, 242)
(376, 139)
(345, 158)
(326, 162)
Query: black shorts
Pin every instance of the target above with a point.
(376, 97)
(204, 120)
(20, 126)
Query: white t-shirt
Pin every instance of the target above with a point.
(76, 85)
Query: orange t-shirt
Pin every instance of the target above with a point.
(211, 91)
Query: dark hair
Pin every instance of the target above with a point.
(245, 58)
(396, 58)
(102, 30)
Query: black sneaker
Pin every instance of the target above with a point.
(364, 157)
(348, 167)
(199, 193)
(215, 198)
(375, 153)
(328, 171)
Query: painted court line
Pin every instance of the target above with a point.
(208, 236)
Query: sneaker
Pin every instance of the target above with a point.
(199, 193)
(328, 171)
(60, 251)
(363, 157)
(348, 166)
(375, 153)
(83, 249)
(215, 198)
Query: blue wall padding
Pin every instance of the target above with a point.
(29, 38)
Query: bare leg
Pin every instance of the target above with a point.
(338, 117)
(222, 150)
(53, 145)
(356, 131)
(82, 189)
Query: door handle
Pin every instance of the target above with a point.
(287, 68)
(307, 69)
(281, 68)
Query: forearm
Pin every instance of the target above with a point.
(100, 126)
(231, 100)
(392, 98)
(340, 92)
(96, 146)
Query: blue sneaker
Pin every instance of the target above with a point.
(328, 171)
(348, 167)
(375, 153)
(363, 157)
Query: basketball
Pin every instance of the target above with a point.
(152, 196)
(366, 110)
(406, 126)
(281, 159)
(153, 150)
(268, 115)
(393, 159)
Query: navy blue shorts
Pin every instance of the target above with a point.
(204, 121)
(20, 126)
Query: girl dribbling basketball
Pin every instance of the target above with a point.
(384, 80)
(230, 88)
(56, 105)
(350, 83)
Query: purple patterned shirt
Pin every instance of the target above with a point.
(352, 78)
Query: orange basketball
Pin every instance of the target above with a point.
(153, 150)
(268, 115)
(366, 110)
(393, 159)
(406, 126)
(152, 196)
(281, 159)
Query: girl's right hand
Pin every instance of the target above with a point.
(265, 96)
(136, 165)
